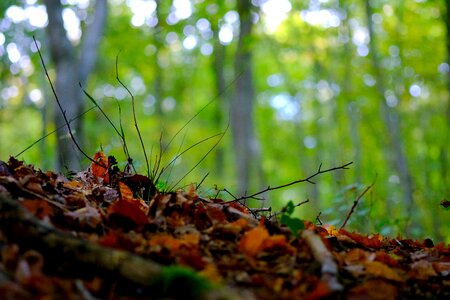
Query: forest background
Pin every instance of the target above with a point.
(297, 84)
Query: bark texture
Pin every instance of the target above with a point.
(242, 123)
(396, 153)
(72, 68)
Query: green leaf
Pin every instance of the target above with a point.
(290, 207)
(294, 224)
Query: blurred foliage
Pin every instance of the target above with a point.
(316, 99)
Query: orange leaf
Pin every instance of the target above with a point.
(100, 169)
(234, 227)
(277, 241)
(125, 192)
(379, 269)
(173, 244)
(252, 241)
(210, 271)
(167, 241)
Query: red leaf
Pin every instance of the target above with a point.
(127, 195)
(129, 210)
(100, 168)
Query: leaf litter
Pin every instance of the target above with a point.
(103, 235)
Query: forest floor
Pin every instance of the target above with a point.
(93, 236)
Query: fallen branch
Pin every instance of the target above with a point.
(321, 254)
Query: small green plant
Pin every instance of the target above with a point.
(177, 282)
(294, 224)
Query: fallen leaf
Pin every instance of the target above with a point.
(86, 217)
(210, 271)
(252, 241)
(422, 270)
(277, 242)
(128, 210)
(373, 290)
(127, 195)
(39, 208)
(233, 227)
(173, 244)
(372, 241)
(379, 269)
(99, 168)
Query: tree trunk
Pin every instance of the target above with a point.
(391, 119)
(158, 39)
(218, 66)
(351, 105)
(444, 149)
(72, 69)
(246, 146)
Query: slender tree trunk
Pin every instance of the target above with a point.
(351, 105)
(445, 157)
(391, 119)
(246, 146)
(219, 72)
(70, 70)
(158, 81)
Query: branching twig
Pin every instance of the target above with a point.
(308, 179)
(284, 209)
(318, 218)
(356, 203)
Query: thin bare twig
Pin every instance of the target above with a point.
(318, 218)
(308, 179)
(284, 209)
(355, 203)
